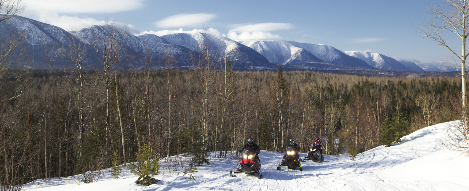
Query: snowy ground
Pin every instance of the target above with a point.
(419, 162)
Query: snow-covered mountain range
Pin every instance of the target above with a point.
(239, 55)
(186, 48)
(440, 67)
(383, 62)
(290, 53)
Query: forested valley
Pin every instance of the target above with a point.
(61, 123)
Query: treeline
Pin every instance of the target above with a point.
(62, 123)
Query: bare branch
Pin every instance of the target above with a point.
(12, 51)
(10, 8)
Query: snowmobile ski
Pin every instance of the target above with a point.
(256, 174)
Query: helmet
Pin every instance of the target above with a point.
(317, 139)
(292, 141)
(250, 141)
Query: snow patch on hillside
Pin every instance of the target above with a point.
(382, 62)
(372, 59)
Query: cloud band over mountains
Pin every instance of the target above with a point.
(185, 20)
(55, 11)
(260, 31)
(62, 13)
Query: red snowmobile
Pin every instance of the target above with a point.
(249, 164)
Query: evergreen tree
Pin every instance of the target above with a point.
(395, 127)
(282, 106)
(146, 165)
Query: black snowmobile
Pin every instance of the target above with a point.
(291, 159)
(248, 164)
(314, 154)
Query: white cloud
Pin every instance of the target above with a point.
(260, 31)
(367, 40)
(55, 12)
(406, 60)
(82, 6)
(163, 32)
(262, 27)
(184, 20)
(252, 36)
(366, 50)
(238, 33)
(166, 32)
(70, 23)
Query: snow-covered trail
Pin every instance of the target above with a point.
(419, 162)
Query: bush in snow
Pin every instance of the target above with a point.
(115, 169)
(146, 165)
(457, 136)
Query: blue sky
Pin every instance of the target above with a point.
(382, 26)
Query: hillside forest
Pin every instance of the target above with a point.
(57, 123)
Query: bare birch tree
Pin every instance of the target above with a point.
(169, 61)
(75, 52)
(11, 53)
(451, 17)
(110, 46)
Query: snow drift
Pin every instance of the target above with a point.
(419, 162)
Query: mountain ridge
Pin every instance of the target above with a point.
(382, 62)
(186, 47)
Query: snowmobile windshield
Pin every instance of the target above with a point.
(249, 153)
(290, 151)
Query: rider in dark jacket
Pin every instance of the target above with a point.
(317, 144)
(294, 145)
(253, 146)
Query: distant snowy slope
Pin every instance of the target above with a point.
(40, 39)
(439, 66)
(135, 47)
(380, 61)
(323, 52)
(410, 64)
(285, 51)
(37, 33)
(161, 49)
(183, 47)
(160, 46)
(300, 56)
(280, 52)
(218, 47)
(419, 162)
(97, 33)
(183, 39)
